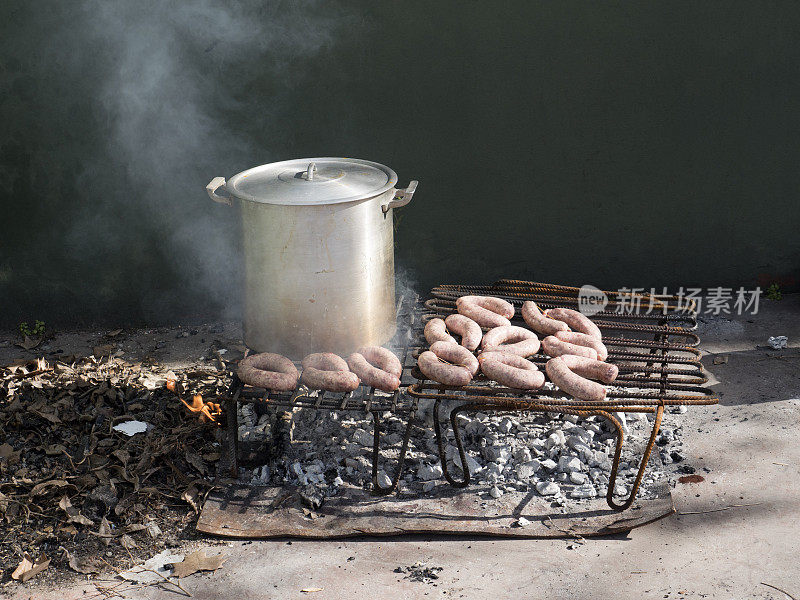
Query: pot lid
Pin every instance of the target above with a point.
(307, 181)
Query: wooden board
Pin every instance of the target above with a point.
(268, 512)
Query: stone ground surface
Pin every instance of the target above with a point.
(735, 530)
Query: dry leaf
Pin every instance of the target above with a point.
(73, 514)
(29, 568)
(29, 343)
(128, 542)
(197, 462)
(197, 561)
(86, 566)
(190, 496)
(104, 531)
(103, 350)
(6, 450)
(44, 487)
(54, 449)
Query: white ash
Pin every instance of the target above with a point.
(561, 457)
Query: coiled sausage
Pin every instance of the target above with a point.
(268, 370)
(511, 339)
(443, 372)
(376, 367)
(486, 311)
(581, 339)
(327, 371)
(591, 369)
(572, 383)
(457, 355)
(553, 346)
(538, 322)
(468, 329)
(576, 321)
(459, 368)
(436, 331)
(511, 370)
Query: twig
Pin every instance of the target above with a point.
(168, 580)
(713, 510)
(775, 587)
(780, 464)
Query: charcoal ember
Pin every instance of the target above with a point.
(311, 496)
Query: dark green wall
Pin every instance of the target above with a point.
(611, 143)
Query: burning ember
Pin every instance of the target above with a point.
(206, 411)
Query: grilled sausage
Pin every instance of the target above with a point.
(468, 329)
(511, 370)
(486, 311)
(383, 359)
(326, 371)
(538, 322)
(375, 367)
(581, 339)
(553, 346)
(457, 355)
(443, 372)
(572, 383)
(270, 371)
(511, 339)
(436, 331)
(575, 320)
(591, 369)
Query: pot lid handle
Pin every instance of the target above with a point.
(312, 168)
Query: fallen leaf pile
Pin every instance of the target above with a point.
(72, 487)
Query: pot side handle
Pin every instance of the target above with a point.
(401, 197)
(212, 188)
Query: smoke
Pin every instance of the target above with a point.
(116, 116)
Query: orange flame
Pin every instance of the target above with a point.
(206, 411)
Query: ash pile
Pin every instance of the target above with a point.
(563, 458)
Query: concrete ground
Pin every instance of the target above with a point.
(734, 532)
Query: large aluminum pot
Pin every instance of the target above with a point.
(319, 253)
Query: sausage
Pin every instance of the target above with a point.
(436, 331)
(326, 371)
(457, 355)
(575, 320)
(371, 375)
(270, 371)
(486, 311)
(538, 322)
(591, 369)
(581, 339)
(553, 346)
(573, 384)
(511, 339)
(468, 329)
(511, 370)
(383, 359)
(443, 372)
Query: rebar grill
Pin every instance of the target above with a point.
(658, 362)
(659, 365)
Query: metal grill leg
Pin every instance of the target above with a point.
(232, 445)
(612, 479)
(461, 452)
(377, 489)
